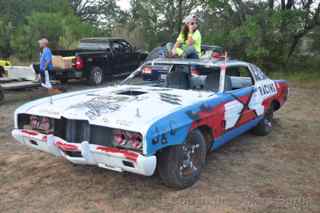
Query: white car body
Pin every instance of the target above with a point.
(163, 116)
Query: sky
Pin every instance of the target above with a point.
(123, 4)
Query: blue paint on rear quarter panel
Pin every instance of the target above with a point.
(225, 138)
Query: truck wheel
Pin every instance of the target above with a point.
(96, 76)
(64, 80)
(180, 166)
(2, 72)
(264, 127)
(1, 95)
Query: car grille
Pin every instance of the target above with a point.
(78, 131)
(74, 131)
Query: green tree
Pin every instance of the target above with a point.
(73, 30)
(160, 21)
(62, 32)
(267, 32)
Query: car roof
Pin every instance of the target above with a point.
(212, 47)
(101, 39)
(204, 62)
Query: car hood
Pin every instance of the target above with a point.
(127, 107)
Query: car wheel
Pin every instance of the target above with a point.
(264, 127)
(180, 166)
(96, 76)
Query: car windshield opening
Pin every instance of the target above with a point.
(177, 76)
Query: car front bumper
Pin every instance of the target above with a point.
(89, 154)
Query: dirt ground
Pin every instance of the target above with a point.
(276, 173)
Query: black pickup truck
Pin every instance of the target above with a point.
(97, 59)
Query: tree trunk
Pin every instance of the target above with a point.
(283, 4)
(271, 4)
(179, 15)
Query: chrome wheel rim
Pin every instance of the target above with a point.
(98, 77)
(191, 161)
(268, 120)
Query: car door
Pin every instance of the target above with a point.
(245, 106)
(131, 57)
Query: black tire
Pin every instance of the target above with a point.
(2, 72)
(180, 166)
(264, 127)
(1, 95)
(96, 76)
(64, 80)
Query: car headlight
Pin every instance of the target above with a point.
(127, 139)
(37, 123)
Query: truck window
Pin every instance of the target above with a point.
(126, 45)
(88, 45)
(121, 46)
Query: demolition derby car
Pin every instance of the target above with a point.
(170, 124)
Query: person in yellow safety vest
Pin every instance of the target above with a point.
(188, 44)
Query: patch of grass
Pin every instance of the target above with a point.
(304, 79)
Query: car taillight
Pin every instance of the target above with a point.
(119, 139)
(126, 139)
(136, 141)
(79, 63)
(41, 123)
(216, 55)
(194, 72)
(147, 70)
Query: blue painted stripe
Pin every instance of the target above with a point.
(234, 133)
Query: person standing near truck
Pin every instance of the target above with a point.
(45, 63)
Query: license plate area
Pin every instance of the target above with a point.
(163, 77)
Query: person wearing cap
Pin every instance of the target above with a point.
(188, 44)
(45, 63)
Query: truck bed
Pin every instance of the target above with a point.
(75, 52)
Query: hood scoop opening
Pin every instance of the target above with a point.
(131, 93)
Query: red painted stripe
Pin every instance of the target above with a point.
(66, 147)
(213, 117)
(245, 99)
(267, 102)
(127, 154)
(29, 132)
(246, 116)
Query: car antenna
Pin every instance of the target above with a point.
(138, 112)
